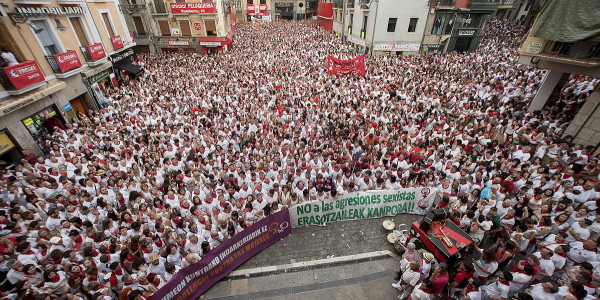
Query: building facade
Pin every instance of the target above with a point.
(385, 26)
(59, 56)
(457, 25)
(567, 47)
(202, 27)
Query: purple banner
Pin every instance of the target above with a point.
(193, 280)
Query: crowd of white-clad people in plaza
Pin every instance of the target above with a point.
(198, 148)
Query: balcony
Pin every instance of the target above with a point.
(484, 4)
(581, 57)
(25, 77)
(88, 57)
(159, 7)
(133, 8)
(60, 73)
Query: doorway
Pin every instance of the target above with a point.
(462, 44)
(78, 106)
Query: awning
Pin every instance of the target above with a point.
(132, 68)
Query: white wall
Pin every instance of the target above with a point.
(404, 10)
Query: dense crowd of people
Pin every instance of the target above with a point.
(200, 147)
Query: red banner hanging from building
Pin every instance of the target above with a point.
(67, 61)
(96, 51)
(325, 16)
(117, 42)
(24, 74)
(193, 8)
(257, 9)
(352, 66)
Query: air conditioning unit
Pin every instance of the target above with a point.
(175, 31)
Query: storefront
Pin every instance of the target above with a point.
(43, 123)
(9, 151)
(124, 65)
(213, 45)
(98, 83)
(174, 46)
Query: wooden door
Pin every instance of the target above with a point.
(77, 106)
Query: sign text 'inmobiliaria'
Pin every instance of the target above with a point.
(193, 280)
(363, 205)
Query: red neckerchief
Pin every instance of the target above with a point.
(28, 252)
(506, 218)
(471, 289)
(130, 258)
(590, 249)
(504, 282)
(56, 278)
(415, 270)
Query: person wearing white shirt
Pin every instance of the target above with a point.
(499, 289)
(409, 280)
(543, 291)
(582, 251)
(547, 266)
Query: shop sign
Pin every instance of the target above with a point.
(193, 8)
(67, 107)
(96, 51)
(24, 74)
(5, 143)
(256, 9)
(355, 40)
(56, 10)
(98, 76)
(178, 43)
(210, 44)
(33, 97)
(122, 58)
(67, 61)
(117, 42)
(397, 47)
(466, 32)
(198, 26)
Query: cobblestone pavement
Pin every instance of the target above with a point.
(319, 242)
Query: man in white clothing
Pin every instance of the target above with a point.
(499, 290)
(543, 291)
(409, 280)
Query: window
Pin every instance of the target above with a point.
(185, 28)
(46, 37)
(211, 28)
(9, 42)
(392, 25)
(108, 24)
(139, 25)
(263, 1)
(79, 31)
(350, 23)
(159, 7)
(165, 30)
(412, 26)
(364, 27)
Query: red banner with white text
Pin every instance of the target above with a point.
(338, 66)
(96, 51)
(117, 42)
(193, 8)
(67, 61)
(24, 74)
